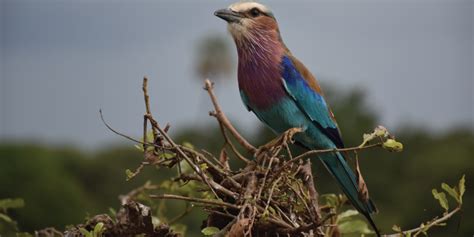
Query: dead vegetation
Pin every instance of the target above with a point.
(272, 195)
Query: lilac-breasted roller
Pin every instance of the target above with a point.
(283, 94)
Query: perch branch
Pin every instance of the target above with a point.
(317, 152)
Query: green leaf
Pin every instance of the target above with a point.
(139, 147)
(188, 145)
(272, 211)
(185, 167)
(354, 226)
(342, 199)
(112, 212)
(5, 218)
(203, 166)
(366, 137)
(85, 232)
(129, 174)
(380, 131)
(396, 228)
(462, 188)
(11, 203)
(450, 191)
(347, 214)
(211, 230)
(393, 145)
(149, 137)
(441, 196)
(98, 229)
(166, 155)
(331, 199)
(265, 215)
(424, 229)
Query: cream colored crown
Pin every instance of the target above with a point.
(246, 6)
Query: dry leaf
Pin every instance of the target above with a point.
(363, 191)
(224, 159)
(238, 229)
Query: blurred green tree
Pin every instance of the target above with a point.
(213, 58)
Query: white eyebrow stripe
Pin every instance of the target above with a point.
(245, 6)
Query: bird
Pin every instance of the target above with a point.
(284, 94)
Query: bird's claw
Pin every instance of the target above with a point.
(283, 140)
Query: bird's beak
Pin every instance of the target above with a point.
(228, 15)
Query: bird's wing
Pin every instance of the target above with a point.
(303, 88)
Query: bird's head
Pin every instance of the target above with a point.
(250, 21)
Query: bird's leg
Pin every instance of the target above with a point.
(276, 144)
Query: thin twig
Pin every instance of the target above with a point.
(227, 140)
(262, 186)
(180, 216)
(225, 121)
(145, 128)
(271, 194)
(132, 194)
(332, 150)
(282, 213)
(172, 143)
(119, 133)
(209, 163)
(434, 222)
(198, 200)
(147, 106)
(213, 158)
(220, 213)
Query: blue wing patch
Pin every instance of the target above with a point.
(309, 101)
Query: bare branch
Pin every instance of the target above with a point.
(435, 222)
(116, 132)
(317, 152)
(222, 118)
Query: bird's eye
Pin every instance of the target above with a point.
(255, 12)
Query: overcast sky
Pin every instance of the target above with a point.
(63, 60)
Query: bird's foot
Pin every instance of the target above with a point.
(282, 140)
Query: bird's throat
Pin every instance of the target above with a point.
(259, 70)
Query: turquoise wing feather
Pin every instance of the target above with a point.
(314, 106)
(310, 101)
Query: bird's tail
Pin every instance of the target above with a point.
(338, 167)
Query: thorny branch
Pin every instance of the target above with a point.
(273, 195)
